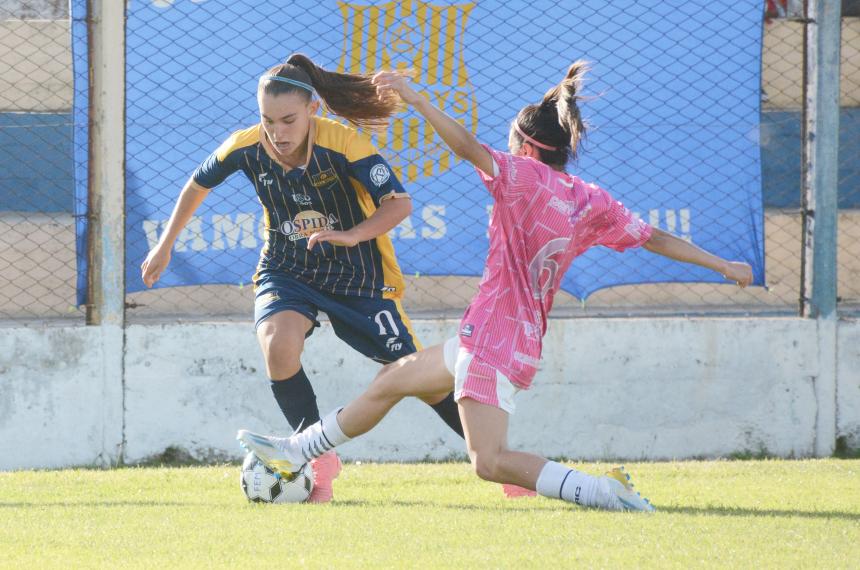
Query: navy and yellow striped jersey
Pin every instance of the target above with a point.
(343, 183)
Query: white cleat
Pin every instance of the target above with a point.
(276, 452)
(623, 497)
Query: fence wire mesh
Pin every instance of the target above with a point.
(450, 294)
(37, 249)
(37, 232)
(848, 236)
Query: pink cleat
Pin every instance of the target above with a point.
(516, 492)
(326, 469)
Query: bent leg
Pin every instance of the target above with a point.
(486, 437)
(282, 339)
(486, 430)
(422, 374)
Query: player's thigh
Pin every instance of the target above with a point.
(421, 374)
(376, 328)
(486, 430)
(282, 339)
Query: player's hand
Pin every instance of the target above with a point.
(154, 264)
(346, 239)
(739, 272)
(393, 81)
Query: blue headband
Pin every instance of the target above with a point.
(301, 84)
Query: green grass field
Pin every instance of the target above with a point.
(742, 514)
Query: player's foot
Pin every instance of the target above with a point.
(279, 453)
(619, 494)
(326, 469)
(516, 492)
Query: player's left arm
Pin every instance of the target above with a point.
(389, 213)
(673, 247)
(458, 138)
(374, 180)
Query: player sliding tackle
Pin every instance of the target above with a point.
(542, 220)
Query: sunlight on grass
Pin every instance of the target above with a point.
(738, 513)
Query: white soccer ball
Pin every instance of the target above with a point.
(261, 484)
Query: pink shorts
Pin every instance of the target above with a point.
(478, 380)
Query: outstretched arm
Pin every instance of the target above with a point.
(673, 247)
(157, 260)
(462, 142)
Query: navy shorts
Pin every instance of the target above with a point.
(377, 328)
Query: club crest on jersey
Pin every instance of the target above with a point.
(307, 223)
(428, 39)
(379, 174)
(323, 178)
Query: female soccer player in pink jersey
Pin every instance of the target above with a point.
(542, 220)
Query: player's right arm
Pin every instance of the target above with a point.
(462, 142)
(212, 172)
(156, 261)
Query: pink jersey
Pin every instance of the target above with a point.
(542, 220)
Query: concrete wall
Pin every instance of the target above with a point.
(612, 388)
(34, 9)
(61, 403)
(848, 385)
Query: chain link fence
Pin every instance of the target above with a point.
(37, 204)
(848, 255)
(411, 157)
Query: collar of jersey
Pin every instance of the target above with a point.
(298, 170)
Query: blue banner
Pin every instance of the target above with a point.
(673, 113)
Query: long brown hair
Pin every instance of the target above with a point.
(556, 120)
(348, 95)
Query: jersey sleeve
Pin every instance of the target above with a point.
(217, 166)
(512, 176)
(372, 171)
(620, 228)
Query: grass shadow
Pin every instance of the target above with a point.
(747, 512)
(530, 505)
(102, 504)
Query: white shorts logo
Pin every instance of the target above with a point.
(379, 174)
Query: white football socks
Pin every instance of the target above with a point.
(320, 437)
(559, 482)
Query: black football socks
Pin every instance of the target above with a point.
(450, 413)
(297, 400)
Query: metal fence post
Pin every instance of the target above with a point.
(107, 164)
(819, 201)
(106, 307)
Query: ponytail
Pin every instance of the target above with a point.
(556, 121)
(347, 95)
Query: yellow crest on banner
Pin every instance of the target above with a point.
(428, 39)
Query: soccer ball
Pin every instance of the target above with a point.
(261, 484)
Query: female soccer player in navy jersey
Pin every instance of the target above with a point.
(543, 218)
(313, 175)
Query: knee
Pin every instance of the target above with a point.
(384, 385)
(281, 352)
(486, 465)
